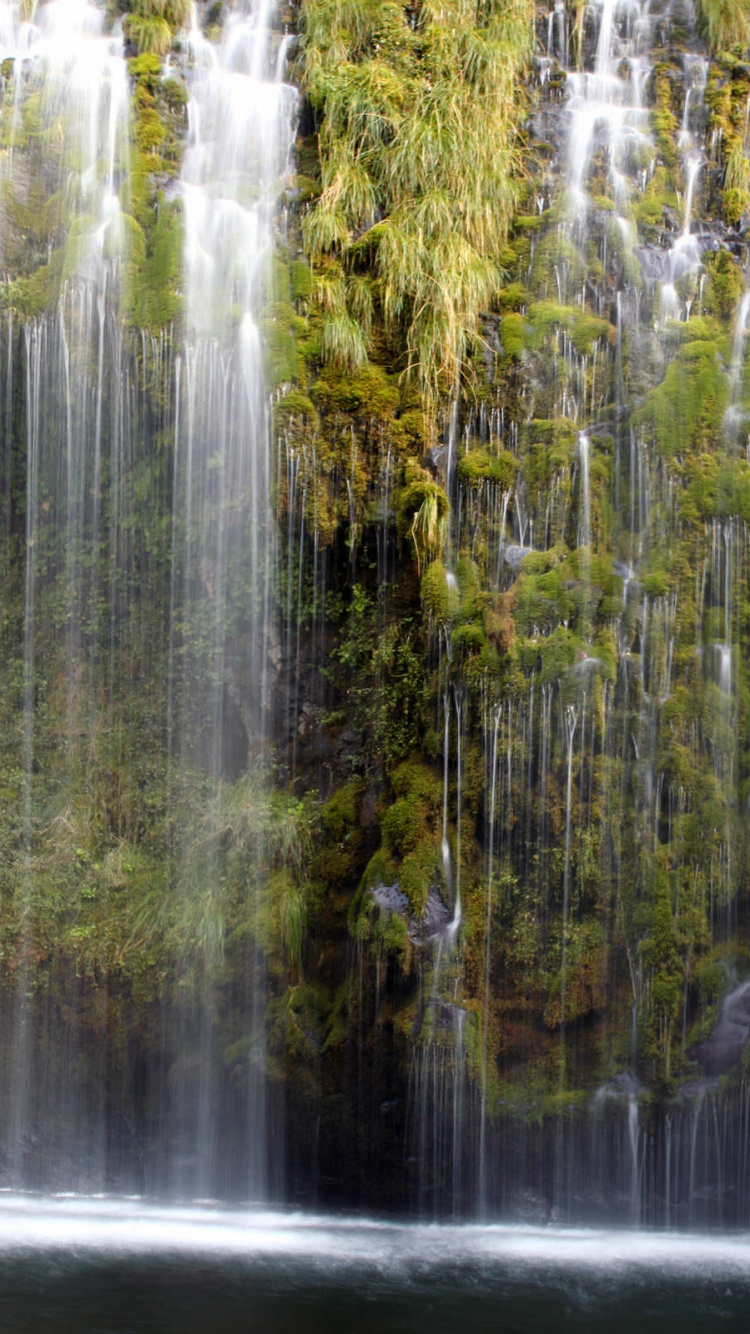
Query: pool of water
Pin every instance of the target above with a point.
(100, 1265)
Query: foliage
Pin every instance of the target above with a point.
(726, 23)
(419, 154)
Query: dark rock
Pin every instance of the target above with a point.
(434, 920)
(724, 1047)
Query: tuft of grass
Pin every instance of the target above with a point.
(419, 115)
(725, 23)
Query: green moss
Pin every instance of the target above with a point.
(479, 466)
(301, 279)
(471, 637)
(372, 392)
(174, 91)
(297, 405)
(419, 869)
(687, 408)
(145, 66)
(663, 120)
(380, 870)
(725, 284)
(280, 351)
(440, 597)
(153, 297)
(513, 335)
(339, 814)
(659, 195)
(150, 130)
(584, 329)
(40, 291)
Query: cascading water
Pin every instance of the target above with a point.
(69, 83)
(568, 842)
(125, 435)
(240, 118)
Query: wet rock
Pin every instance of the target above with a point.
(622, 1085)
(724, 1047)
(515, 553)
(696, 1089)
(436, 460)
(391, 899)
(434, 921)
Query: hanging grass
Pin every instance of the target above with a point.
(151, 25)
(725, 23)
(419, 110)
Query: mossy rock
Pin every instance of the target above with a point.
(725, 284)
(420, 869)
(147, 65)
(175, 92)
(686, 410)
(478, 466)
(150, 130)
(470, 638)
(513, 335)
(280, 352)
(296, 405)
(440, 595)
(415, 495)
(301, 278)
(340, 813)
(584, 329)
(371, 392)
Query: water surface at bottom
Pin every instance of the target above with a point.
(100, 1266)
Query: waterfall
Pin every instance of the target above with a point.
(240, 118)
(327, 874)
(148, 473)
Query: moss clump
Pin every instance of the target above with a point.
(725, 283)
(513, 335)
(440, 596)
(301, 279)
(421, 511)
(584, 329)
(295, 405)
(659, 197)
(339, 814)
(478, 466)
(663, 120)
(153, 297)
(686, 410)
(40, 291)
(371, 392)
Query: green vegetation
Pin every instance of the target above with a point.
(419, 126)
(726, 23)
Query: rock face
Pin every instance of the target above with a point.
(430, 926)
(723, 1049)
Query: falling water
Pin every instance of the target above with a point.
(104, 409)
(240, 117)
(74, 72)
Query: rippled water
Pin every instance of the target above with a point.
(69, 1264)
